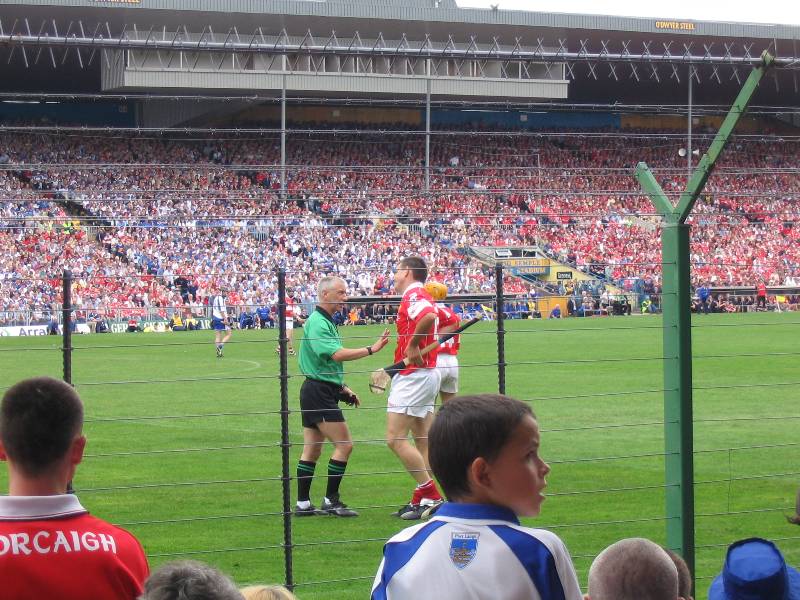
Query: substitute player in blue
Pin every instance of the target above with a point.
(219, 320)
(484, 450)
(321, 358)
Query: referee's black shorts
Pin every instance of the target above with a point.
(319, 403)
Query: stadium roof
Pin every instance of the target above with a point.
(435, 17)
(438, 19)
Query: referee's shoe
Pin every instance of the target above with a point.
(335, 507)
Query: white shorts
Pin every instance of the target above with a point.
(447, 365)
(414, 394)
(289, 324)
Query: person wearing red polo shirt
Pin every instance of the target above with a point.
(50, 546)
(413, 393)
(761, 295)
(447, 360)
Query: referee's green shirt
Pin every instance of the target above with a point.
(320, 341)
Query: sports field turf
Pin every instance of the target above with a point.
(184, 448)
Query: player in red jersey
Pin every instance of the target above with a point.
(50, 547)
(290, 315)
(447, 360)
(413, 393)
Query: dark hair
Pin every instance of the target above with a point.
(39, 418)
(419, 270)
(189, 580)
(468, 427)
(684, 575)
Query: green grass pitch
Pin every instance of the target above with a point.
(184, 448)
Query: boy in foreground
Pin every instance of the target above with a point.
(484, 450)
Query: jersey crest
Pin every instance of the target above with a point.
(463, 548)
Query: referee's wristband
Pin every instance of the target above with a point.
(369, 351)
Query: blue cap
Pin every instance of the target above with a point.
(755, 570)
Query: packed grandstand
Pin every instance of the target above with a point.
(131, 215)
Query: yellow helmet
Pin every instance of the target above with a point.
(438, 291)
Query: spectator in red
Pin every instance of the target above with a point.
(761, 295)
(50, 547)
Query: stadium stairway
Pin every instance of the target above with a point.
(534, 267)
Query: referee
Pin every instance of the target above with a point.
(321, 358)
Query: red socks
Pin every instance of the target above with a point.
(426, 491)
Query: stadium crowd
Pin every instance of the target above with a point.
(131, 215)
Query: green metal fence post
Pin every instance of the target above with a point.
(678, 429)
(677, 327)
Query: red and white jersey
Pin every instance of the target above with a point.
(289, 309)
(447, 318)
(416, 303)
(51, 547)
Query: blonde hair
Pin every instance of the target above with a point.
(267, 592)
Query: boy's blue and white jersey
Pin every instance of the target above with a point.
(218, 310)
(474, 551)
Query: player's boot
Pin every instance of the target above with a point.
(414, 512)
(430, 509)
(403, 509)
(219, 351)
(423, 510)
(309, 511)
(336, 508)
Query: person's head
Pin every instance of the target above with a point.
(438, 291)
(189, 580)
(684, 575)
(755, 570)
(633, 569)
(332, 293)
(409, 270)
(267, 592)
(40, 430)
(485, 449)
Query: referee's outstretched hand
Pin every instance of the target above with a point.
(382, 341)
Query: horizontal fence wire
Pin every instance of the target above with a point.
(382, 440)
(259, 515)
(168, 485)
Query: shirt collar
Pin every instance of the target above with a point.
(325, 314)
(412, 286)
(480, 512)
(25, 508)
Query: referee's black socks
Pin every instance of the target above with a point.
(336, 469)
(305, 475)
